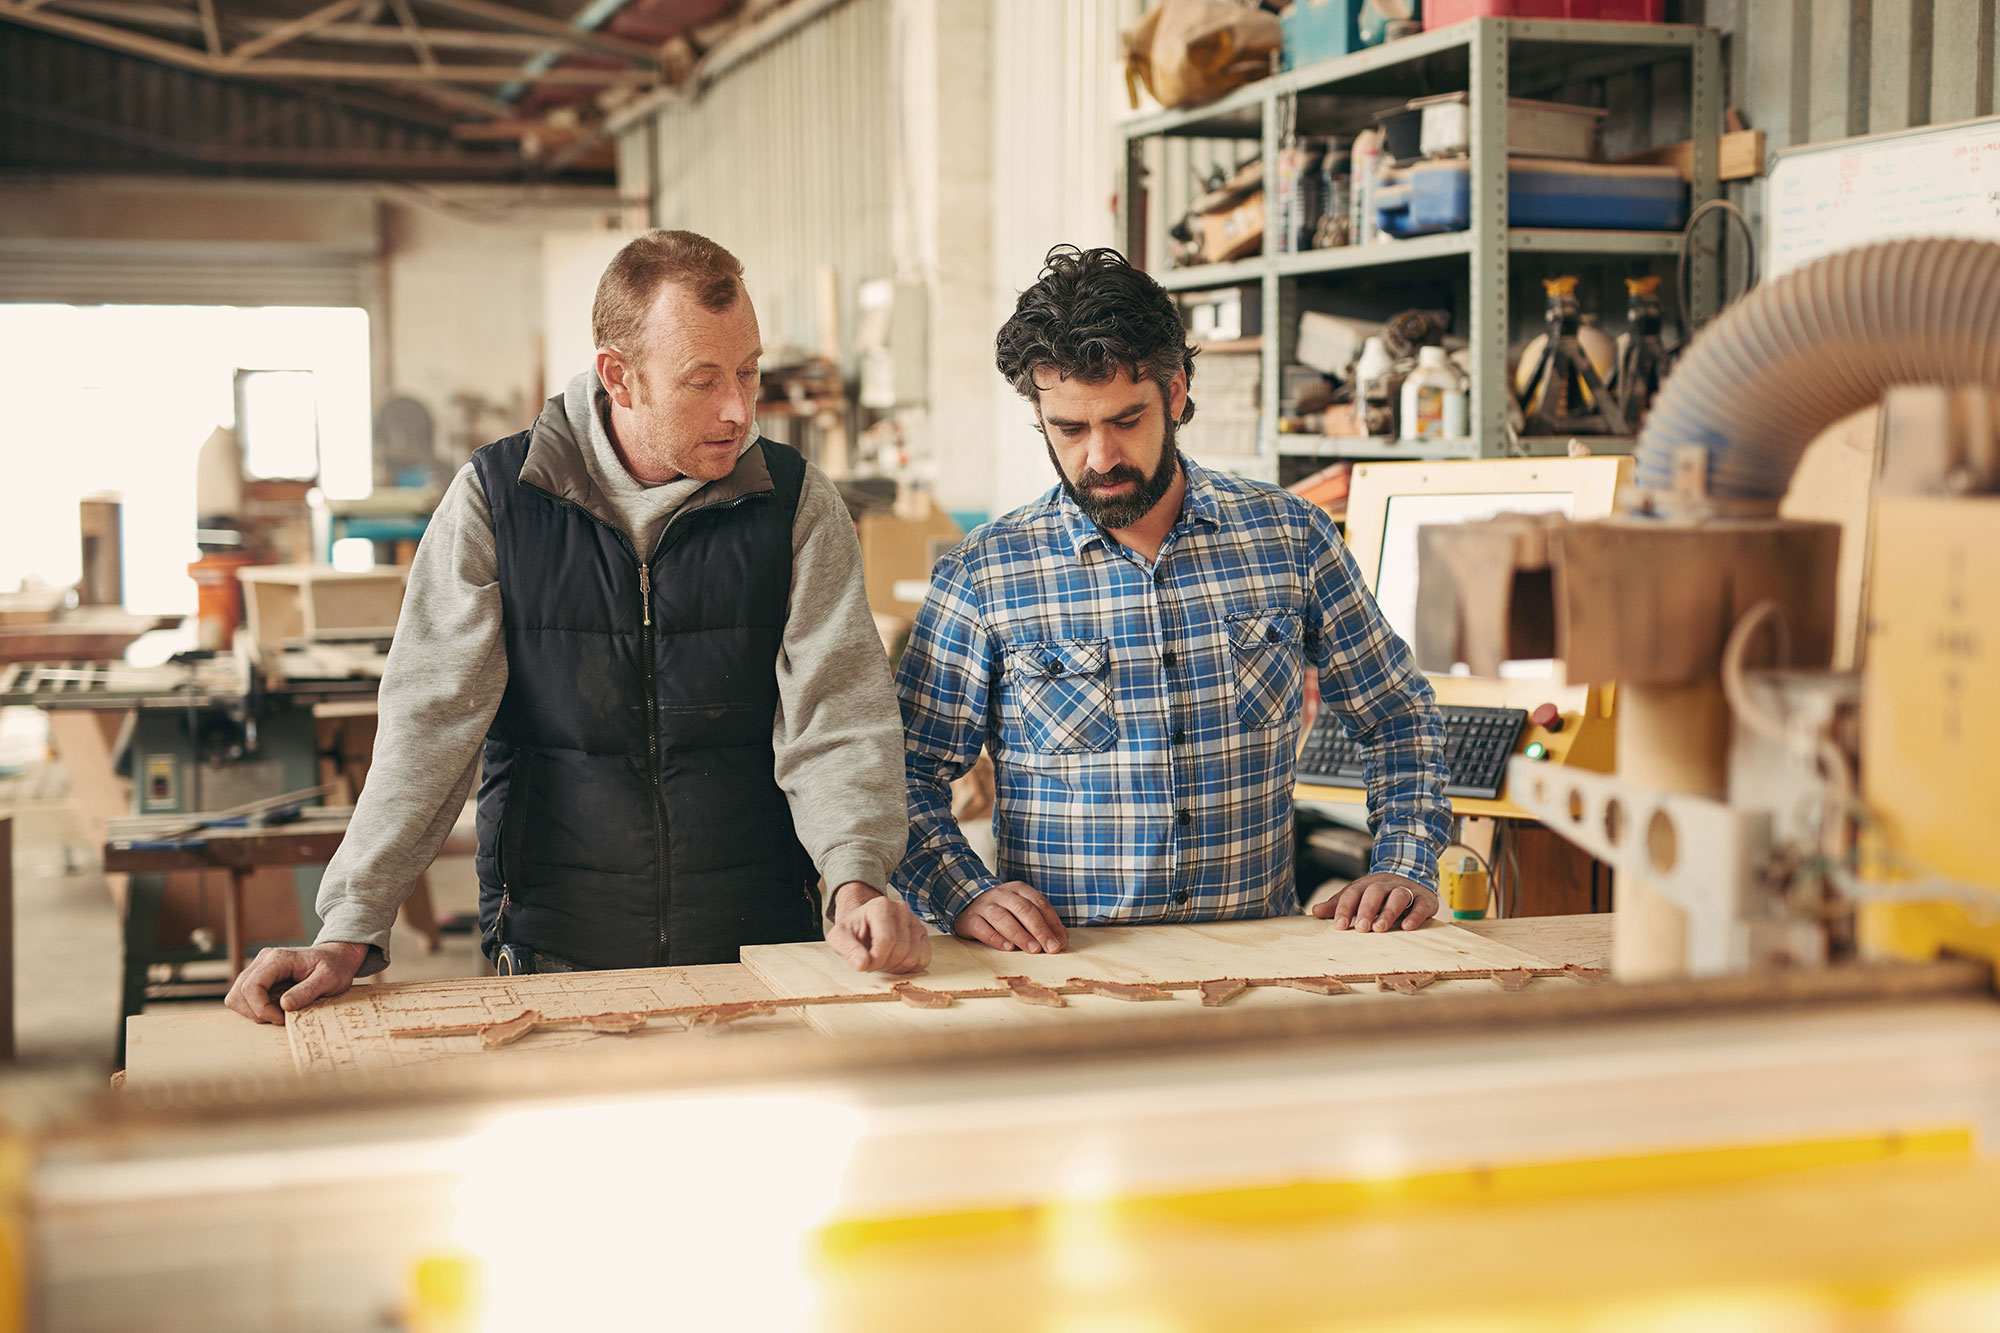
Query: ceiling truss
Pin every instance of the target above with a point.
(118, 24)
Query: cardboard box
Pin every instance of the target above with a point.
(1534, 129)
(898, 549)
(287, 604)
(1235, 232)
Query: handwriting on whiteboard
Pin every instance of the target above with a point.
(1942, 182)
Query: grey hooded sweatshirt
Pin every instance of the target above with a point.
(837, 735)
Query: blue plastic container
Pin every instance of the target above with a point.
(1431, 197)
(1317, 30)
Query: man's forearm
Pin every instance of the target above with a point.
(940, 873)
(446, 672)
(837, 737)
(1408, 811)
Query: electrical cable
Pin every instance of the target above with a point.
(1727, 209)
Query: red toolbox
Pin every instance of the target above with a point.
(1441, 13)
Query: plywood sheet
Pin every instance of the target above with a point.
(1559, 941)
(354, 1030)
(1275, 947)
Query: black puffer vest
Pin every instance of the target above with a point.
(628, 816)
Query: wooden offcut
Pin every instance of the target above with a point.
(1271, 954)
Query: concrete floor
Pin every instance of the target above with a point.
(67, 941)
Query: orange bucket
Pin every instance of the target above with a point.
(219, 597)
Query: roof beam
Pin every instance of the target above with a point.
(521, 18)
(348, 34)
(408, 21)
(211, 31)
(118, 39)
(172, 53)
(284, 32)
(366, 73)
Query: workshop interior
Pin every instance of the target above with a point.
(1639, 359)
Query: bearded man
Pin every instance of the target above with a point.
(1133, 649)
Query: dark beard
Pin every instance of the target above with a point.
(1119, 512)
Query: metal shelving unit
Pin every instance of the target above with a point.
(1491, 59)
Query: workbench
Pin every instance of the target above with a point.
(185, 1042)
(1665, 1154)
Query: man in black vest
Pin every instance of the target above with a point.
(644, 631)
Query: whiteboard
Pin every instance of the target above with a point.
(1941, 180)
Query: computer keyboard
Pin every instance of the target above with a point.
(1478, 742)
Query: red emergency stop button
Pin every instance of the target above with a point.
(1548, 717)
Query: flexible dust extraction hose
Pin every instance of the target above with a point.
(1797, 354)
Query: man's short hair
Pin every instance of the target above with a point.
(1089, 315)
(636, 273)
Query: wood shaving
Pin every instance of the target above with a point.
(494, 1035)
(919, 998)
(1222, 990)
(1121, 990)
(1316, 985)
(1405, 983)
(1590, 975)
(1029, 992)
(715, 1015)
(1512, 978)
(612, 1023)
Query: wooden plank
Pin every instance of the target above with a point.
(183, 1043)
(1275, 947)
(1741, 156)
(352, 1031)
(1556, 940)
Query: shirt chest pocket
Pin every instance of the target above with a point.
(1065, 695)
(1270, 665)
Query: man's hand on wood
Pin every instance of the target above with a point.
(1377, 902)
(281, 981)
(1013, 916)
(877, 933)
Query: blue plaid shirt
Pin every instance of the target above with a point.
(1144, 718)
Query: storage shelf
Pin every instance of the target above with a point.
(1563, 241)
(1444, 245)
(1378, 448)
(1546, 51)
(1490, 59)
(1542, 50)
(1198, 276)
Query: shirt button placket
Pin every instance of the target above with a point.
(1168, 661)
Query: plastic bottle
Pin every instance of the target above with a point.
(1369, 369)
(1362, 226)
(1429, 410)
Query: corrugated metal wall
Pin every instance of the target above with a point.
(786, 160)
(1057, 97)
(1810, 71)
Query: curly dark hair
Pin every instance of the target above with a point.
(1088, 315)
